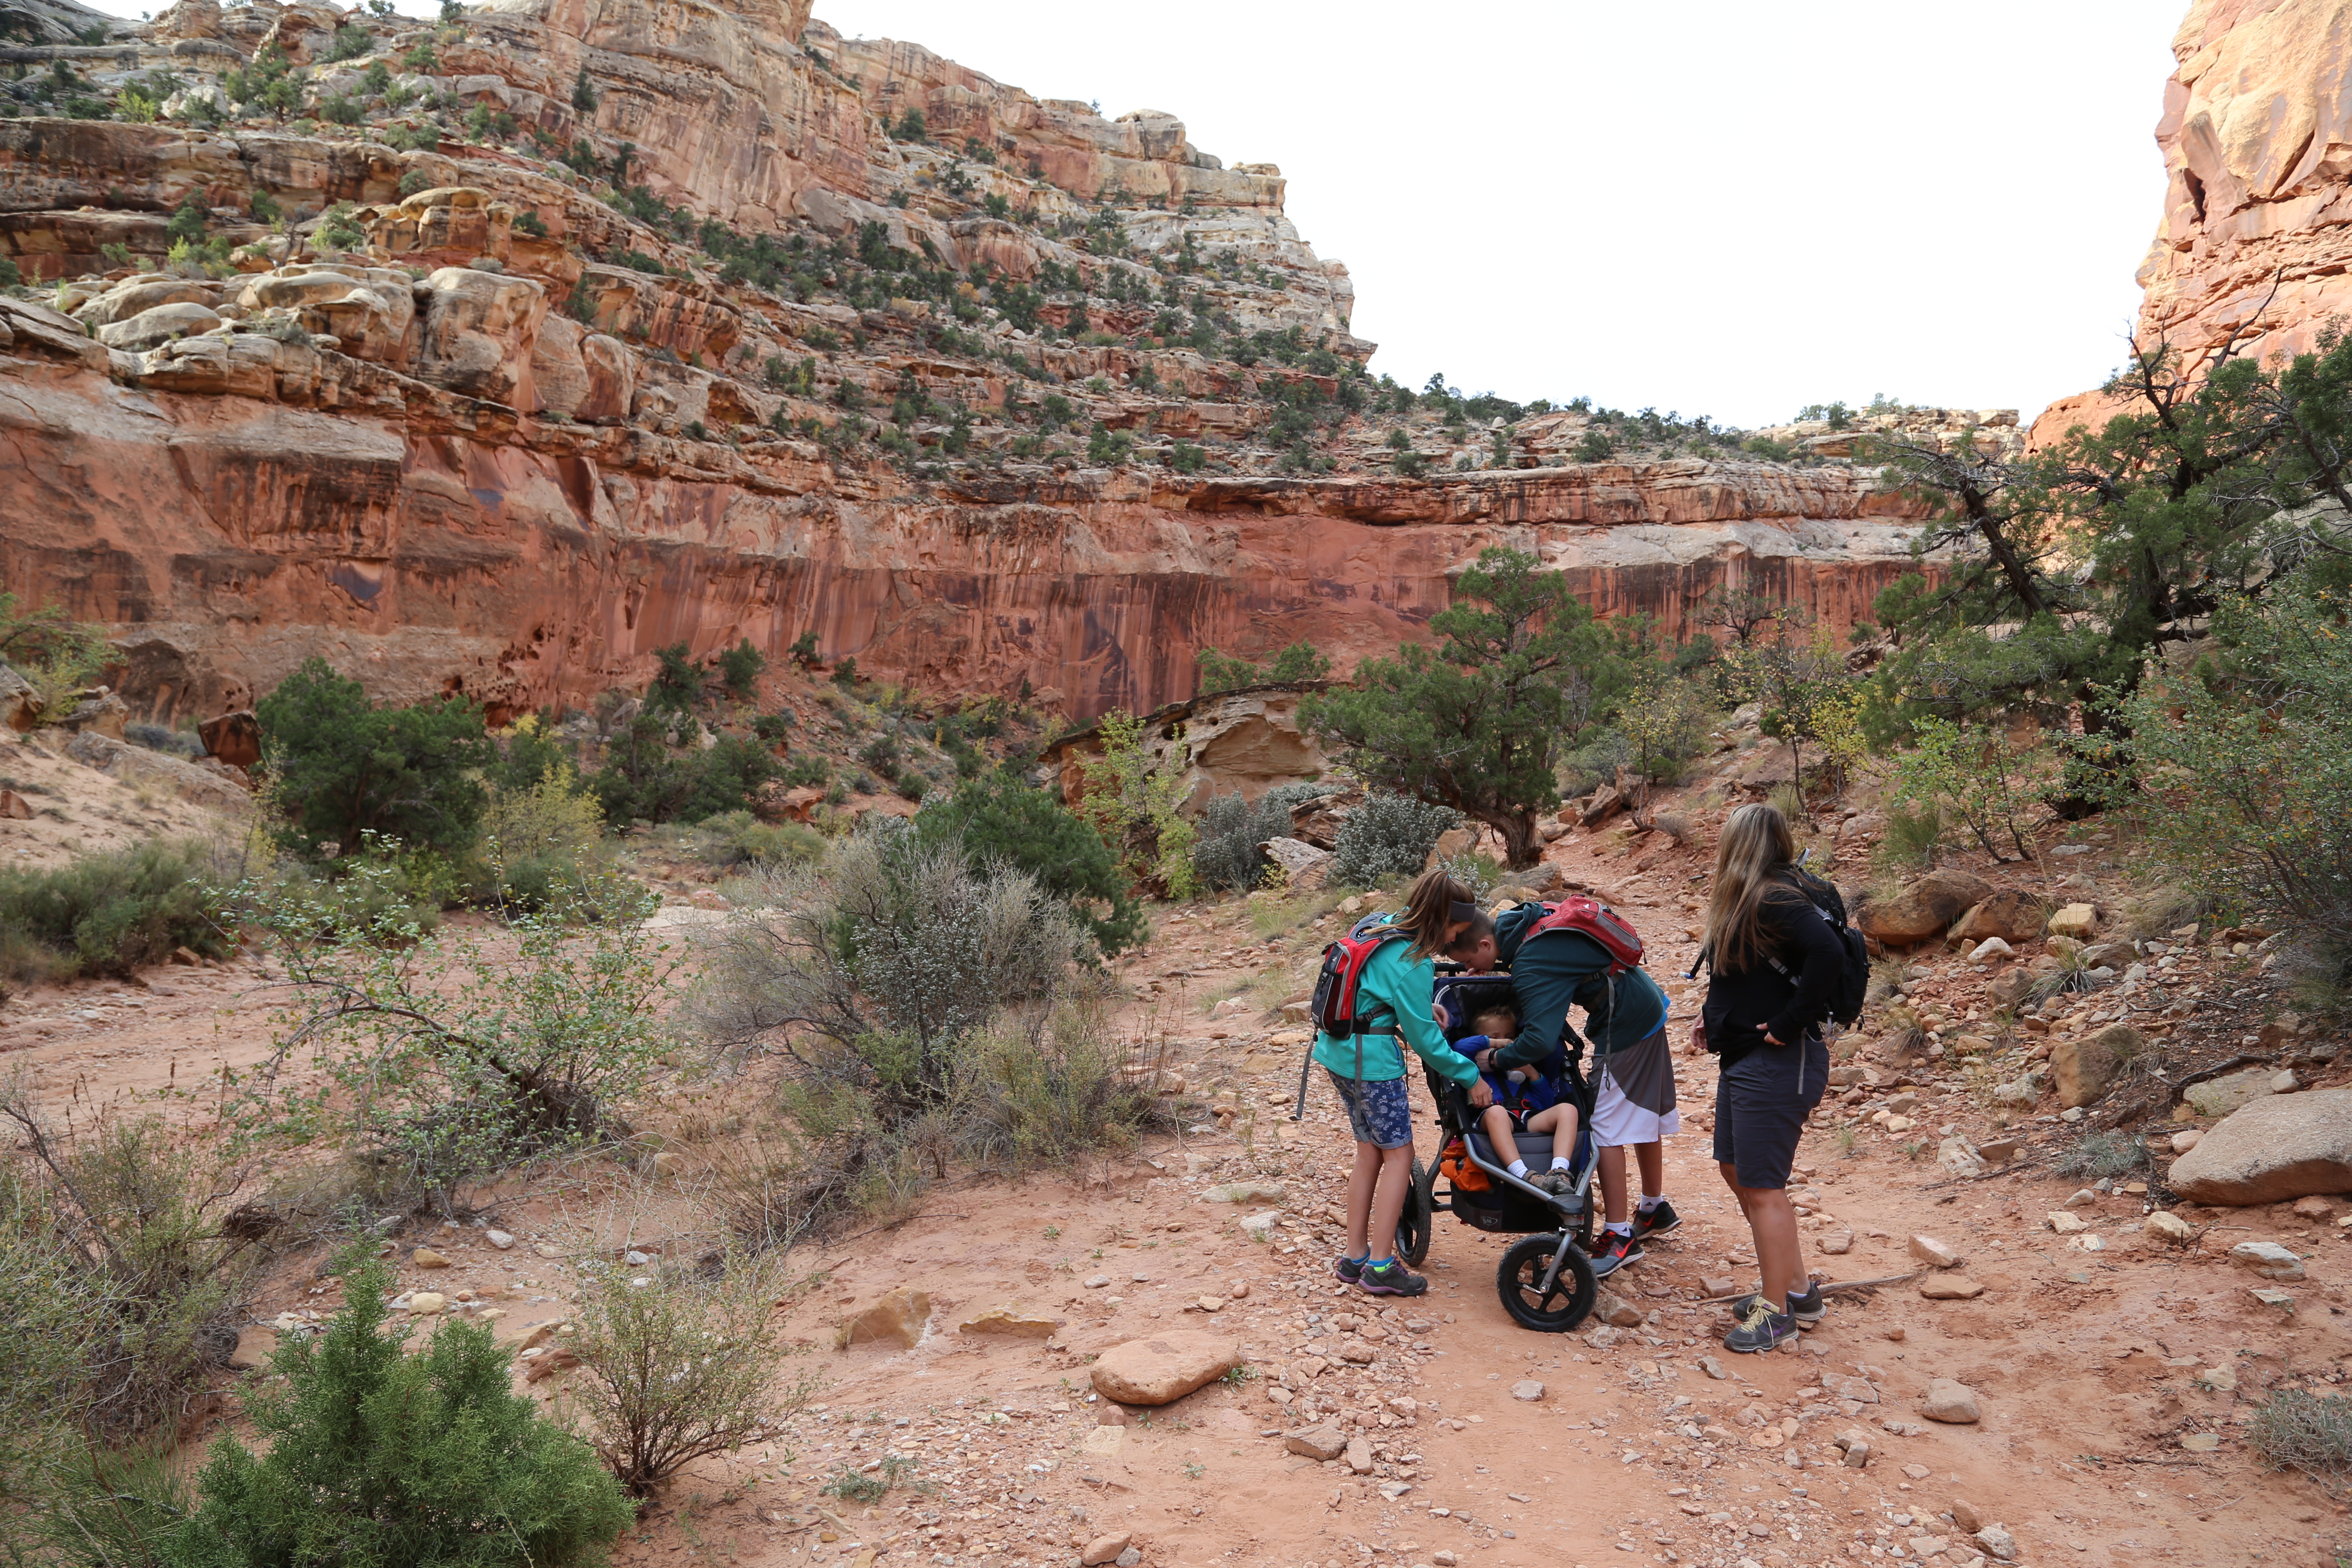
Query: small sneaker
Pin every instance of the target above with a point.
(1389, 1278)
(1349, 1270)
(1761, 1330)
(1555, 1181)
(1660, 1221)
(1614, 1252)
(1809, 1308)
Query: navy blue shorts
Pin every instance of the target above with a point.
(1761, 1102)
(1379, 1111)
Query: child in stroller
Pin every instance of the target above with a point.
(1526, 1102)
(1545, 1278)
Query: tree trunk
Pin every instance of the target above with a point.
(1522, 839)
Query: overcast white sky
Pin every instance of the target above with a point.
(1714, 206)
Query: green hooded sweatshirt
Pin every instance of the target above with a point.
(1563, 967)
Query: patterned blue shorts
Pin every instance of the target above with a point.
(1378, 1110)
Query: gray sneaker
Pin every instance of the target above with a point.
(1761, 1330)
(1555, 1181)
(1809, 1308)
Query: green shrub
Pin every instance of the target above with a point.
(439, 1060)
(350, 43)
(1226, 855)
(999, 818)
(643, 778)
(773, 728)
(683, 1363)
(108, 914)
(378, 1455)
(1911, 837)
(735, 839)
(11, 277)
(339, 766)
(2102, 1154)
(739, 667)
(1385, 838)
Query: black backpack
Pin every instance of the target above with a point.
(1853, 978)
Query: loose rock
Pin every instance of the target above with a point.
(2268, 1259)
(1104, 1550)
(1950, 1402)
(1324, 1442)
(897, 1319)
(2272, 1149)
(1164, 1367)
(1934, 1251)
(2165, 1226)
(425, 1258)
(1998, 1542)
(1941, 1286)
(1527, 1391)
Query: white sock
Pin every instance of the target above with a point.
(1559, 1163)
(1647, 1204)
(1520, 1169)
(1622, 1227)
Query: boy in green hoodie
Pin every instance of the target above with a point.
(1625, 1017)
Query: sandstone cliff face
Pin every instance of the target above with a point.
(529, 427)
(2256, 138)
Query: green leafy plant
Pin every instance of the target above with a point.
(1133, 795)
(1000, 818)
(584, 96)
(1479, 722)
(376, 1455)
(339, 766)
(108, 913)
(435, 1060)
(740, 668)
(685, 1363)
(2297, 1429)
(1979, 775)
(1387, 836)
(1222, 672)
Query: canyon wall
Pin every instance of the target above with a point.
(515, 427)
(2255, 241)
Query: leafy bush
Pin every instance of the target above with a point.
(685, 1363)
(1230, 829)
(2102, 1154)
(999, 819)
(56, 655)
(133, 1236)
(438, 1061)
(643, 778)
(378, 1455)
(108, 914)
(1911, 837)
(1222, 672)
(1133, 798)
(739, 667)
(1388, 836)
(738, 838)
(541, 845)
(2247, 766)
(338, 765)
(1978, 775)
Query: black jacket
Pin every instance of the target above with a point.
(1742, 1004)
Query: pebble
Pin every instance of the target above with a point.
(1934, 1252)
(1950, 1402)
(425, 1258)
(2165, 1226)
(2083, 1199)
(1526, 1390)
(2185, 1140)
(499, 1238)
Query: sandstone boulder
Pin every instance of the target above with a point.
(160, 325)
(611, 372)
(2008, 913)
(1164, 1367)
(1950, 1402)
(2271, 1150)
(897, 1319)
(2085, 1069)
(2222, 1096)
(1923, 910)
(479, 331)
(2075, 920)
(20, 705)
(233, 738)
(558, 374)
(1011, 1322)
(135, 765)
(1304, 867)
(136, 296)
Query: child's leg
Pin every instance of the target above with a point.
(1495, 1124)
(1559, 1122)
(1392, 1168)
(1360, 1182)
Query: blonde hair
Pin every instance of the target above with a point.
(1756, 849)
(1429, 913)
(1484, 1016)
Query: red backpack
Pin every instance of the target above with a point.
(1333, 1006)
(1332, 1009)
(1591, 917)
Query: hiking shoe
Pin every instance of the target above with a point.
(1349, 1270)
(1660, 1221)
(1555, 1181)
(1614, 1252)
(1761, 1330)
(1809, 1308)
(1389, 1278)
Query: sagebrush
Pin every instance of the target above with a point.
(1387, 836)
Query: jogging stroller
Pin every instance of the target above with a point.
(1546, 1281)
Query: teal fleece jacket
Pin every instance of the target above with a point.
(1405, 987)
(1561, 968)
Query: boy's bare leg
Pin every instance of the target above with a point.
(1614, 1207)
(1360, 1182)
(1495, 1124)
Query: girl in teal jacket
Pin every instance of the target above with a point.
(1393, 993)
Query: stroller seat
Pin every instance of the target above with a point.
(1534, 1148)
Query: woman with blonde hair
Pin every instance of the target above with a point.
(1773, 969)
(1395, 1001)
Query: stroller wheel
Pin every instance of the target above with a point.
(1419, 1219)
(1519, 1280)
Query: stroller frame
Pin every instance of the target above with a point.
(1546, 1280)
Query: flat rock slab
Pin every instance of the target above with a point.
(1015, 1322)
(1326, 1442)
(1940, 1287)
(1164, 1367)
(2272, 1150)
(897, 1319)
